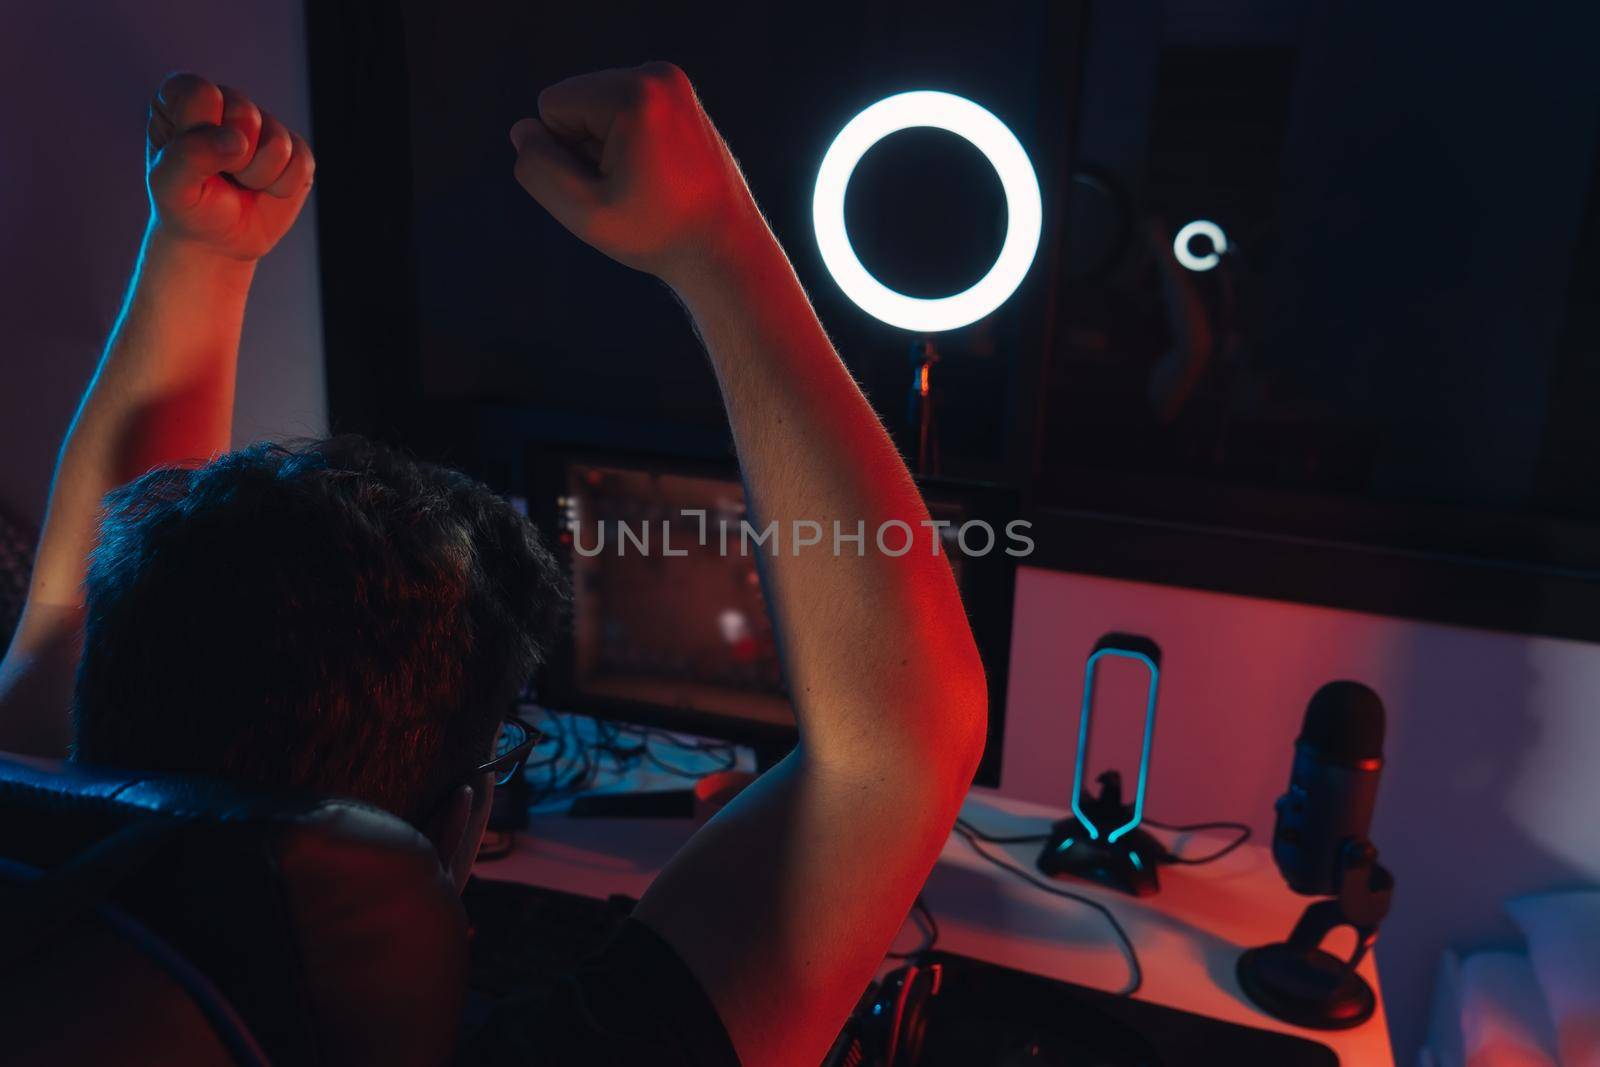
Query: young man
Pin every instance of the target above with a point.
(341, 619)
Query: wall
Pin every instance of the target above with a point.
(72, 209)
(1493, 739)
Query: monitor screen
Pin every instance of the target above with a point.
(669, 625)
(650, 626)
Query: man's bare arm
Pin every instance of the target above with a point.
(225, 183)
(785, 904)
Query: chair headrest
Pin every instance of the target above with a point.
(329, 924)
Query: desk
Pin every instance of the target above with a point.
(1188, 936)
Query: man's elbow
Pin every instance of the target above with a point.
(959, 727)
(970, 726)
(927, 725)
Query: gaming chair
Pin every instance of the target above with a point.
(168, 919)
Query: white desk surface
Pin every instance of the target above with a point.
(1188, 935)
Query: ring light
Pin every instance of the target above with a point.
(1200, 228)
(962, 117)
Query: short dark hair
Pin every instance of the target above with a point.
(334, 617)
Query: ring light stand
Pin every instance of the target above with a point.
(923, 356)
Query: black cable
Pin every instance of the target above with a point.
(920, 907)
(552, 764)
(1184, 828)
(726, 757)
(690, 743)
(1136, 973)
(677, 772)
(933, 924)
(609, 738)
(576, 762)
(1006, 839)
(1210, 857)
(580, 778)
(1170, 857)
(551, 759)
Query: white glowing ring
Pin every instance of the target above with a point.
(1200, 228)
(960, 116)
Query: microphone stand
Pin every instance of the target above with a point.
(1298, 982)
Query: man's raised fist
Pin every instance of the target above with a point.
(221, 172)
(628, 161)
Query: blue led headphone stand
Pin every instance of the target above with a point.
(1102, 840)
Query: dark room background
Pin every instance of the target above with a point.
(1493, 735)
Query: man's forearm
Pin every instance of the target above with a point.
(225, 180)
(887, 685)
(766, 904)
(163, 393)
(877, 646)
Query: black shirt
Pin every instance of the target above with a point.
(634, 1002)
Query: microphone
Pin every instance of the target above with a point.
(1333, 786)
(1321, 847)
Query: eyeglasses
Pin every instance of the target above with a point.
(512, 743)
(513, 740)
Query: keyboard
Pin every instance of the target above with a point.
(979, 1014)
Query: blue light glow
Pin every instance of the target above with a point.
(1083, 742)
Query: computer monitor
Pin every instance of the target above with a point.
(669, 626)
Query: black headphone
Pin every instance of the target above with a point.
(891, 1020)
